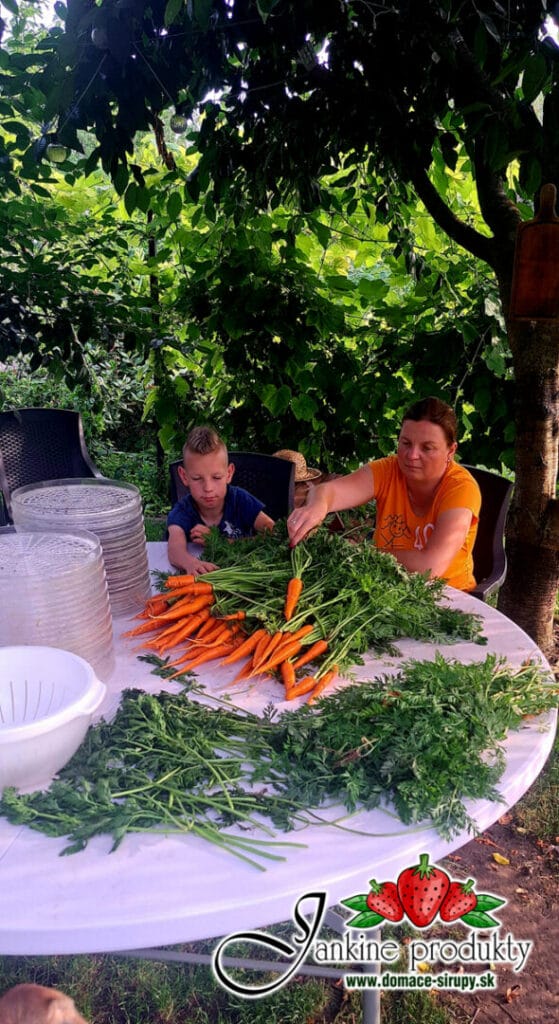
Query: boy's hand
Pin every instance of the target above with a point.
(199, 533)
(197, 567)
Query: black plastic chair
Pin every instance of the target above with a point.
(270, 479)
(40, 444)
(490, 559)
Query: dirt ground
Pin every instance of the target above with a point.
(529, 881)
(530, 884)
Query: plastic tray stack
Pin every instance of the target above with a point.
(110, 509)
(55, 594)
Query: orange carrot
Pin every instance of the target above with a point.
(287, 675)
(312, 652)
(267, 649)
(145, 627)
(263, 642)
(153, 606)
(243, 672)
(303, 686)
(179, 581)
(323, 682)
(247, 647)
(198, 587)
(209, 655)
(294, 590)
(282, 653)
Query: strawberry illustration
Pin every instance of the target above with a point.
(458, 901)
(422, 890)
(383, 899)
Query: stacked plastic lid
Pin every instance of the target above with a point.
(110, 509)
(55, 594)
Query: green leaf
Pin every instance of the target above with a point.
(322, 232)
(10, 6)
(536, 74)
(265, 8)
(304, 407)
(478, 919)
(276, 400)
(366, 920)
(372, 290)
(486, 901)
(174, 206)
(172, 10)
(357, 902)
(120, 179)
(130, 198)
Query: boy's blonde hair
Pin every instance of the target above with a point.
(203, 441)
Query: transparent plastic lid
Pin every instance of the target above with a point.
(81, 501)
(43, 555)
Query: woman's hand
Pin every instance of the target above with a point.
(308, 517)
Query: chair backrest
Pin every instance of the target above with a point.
(41, 444)
(490, 560)
(268, 478)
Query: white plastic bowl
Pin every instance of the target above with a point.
(47, 700)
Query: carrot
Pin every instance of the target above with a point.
(185, 606)
(243, 672)
(294, 590)
(265, 652)
(247, 647)
(198, 587)
(179, 581)
(234, 617)
(304, 685)
(153, 606)
(325, 680)
(145, 627)
(178, 631)
(263, 642)
(312, 652)
(200, 659)
(281, 653)
(287, 672)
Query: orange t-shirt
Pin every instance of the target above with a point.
(397, 525)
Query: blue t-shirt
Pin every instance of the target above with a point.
(240, 510)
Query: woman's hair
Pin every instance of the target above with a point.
(203, 441)
(436, 411)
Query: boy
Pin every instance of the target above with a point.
(212, 501)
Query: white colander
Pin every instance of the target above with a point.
(47, 699)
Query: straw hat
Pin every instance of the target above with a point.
(302, 471)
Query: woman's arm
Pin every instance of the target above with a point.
(449, 533)
(333, 496)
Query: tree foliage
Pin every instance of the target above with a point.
(302, 114)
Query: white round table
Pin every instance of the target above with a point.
(161, 890)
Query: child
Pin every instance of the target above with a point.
(212, 501)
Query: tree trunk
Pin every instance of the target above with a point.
(529, 593)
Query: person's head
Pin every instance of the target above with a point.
(427, 441)
(206, 469)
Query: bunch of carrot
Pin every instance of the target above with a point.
(190, 615)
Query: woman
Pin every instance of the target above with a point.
(427, 504)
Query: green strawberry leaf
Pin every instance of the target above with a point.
(478, 919)
(366, 920)
(486, 901)
(357, 902)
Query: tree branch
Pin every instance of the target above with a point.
(462, 233)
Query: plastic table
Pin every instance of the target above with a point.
(162, 890)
